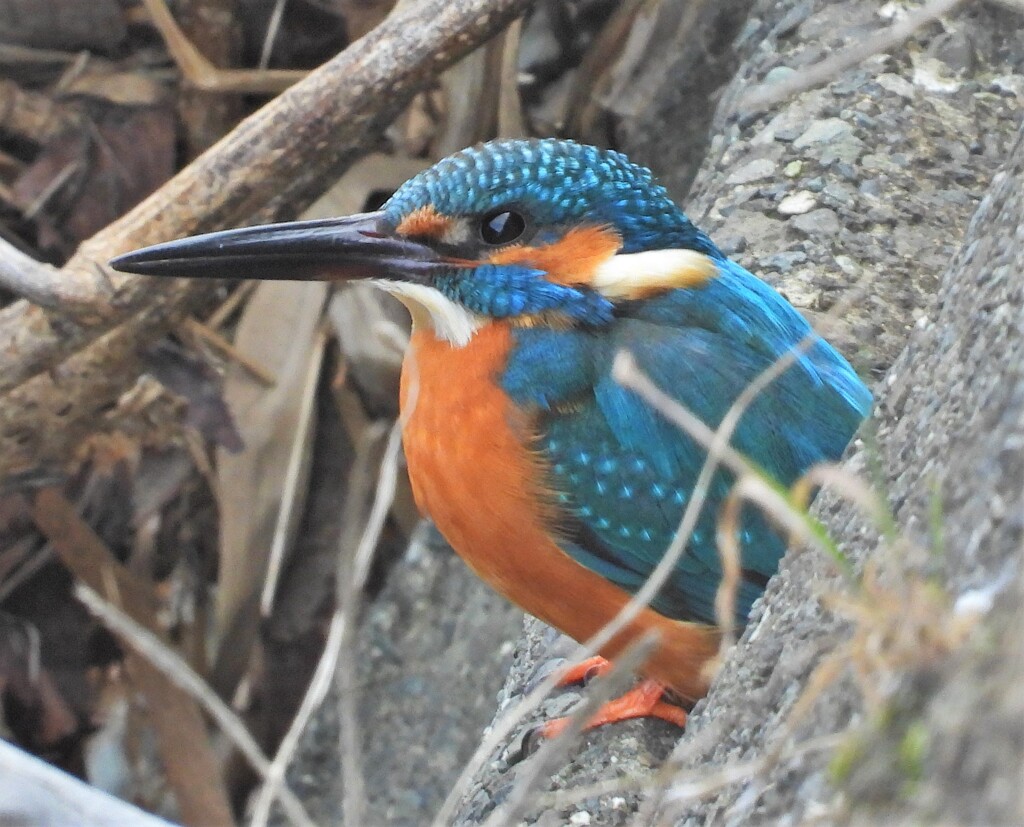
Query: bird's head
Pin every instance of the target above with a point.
(527, 230)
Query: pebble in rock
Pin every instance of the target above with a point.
(820, 222)
(752, 171)
(797, 203)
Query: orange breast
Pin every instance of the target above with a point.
(473, 473)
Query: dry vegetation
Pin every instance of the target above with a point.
(202, 483)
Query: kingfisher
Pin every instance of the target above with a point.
(526, 266)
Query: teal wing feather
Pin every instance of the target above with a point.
(623, 474)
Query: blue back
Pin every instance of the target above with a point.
(623, 474)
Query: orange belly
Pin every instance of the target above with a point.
(474, 475)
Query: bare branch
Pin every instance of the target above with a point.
(33, 280)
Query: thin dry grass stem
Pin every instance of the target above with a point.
(31, 56)
(685, 787)
(700, 783)
(242, 292)
(172, 665)
(716, 442)
(504, 726)
(342, 622)
(775, 506)
(35, 561)
(292, 493)
(196, 447)
(730, 555)
(767, 95)
(753, 487)
(554, 752)
(848, 485)
(274, 780)
(626, 373)
(894, 630)
(55, 185)
(353, 573)
(751, 483)
(681, 788)
(909, 625)
(201, 331)
(273, 27)
(788, 515)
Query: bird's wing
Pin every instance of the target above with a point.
(622, 474)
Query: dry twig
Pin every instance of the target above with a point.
(342, 627)
(202, 74)
(33, 280)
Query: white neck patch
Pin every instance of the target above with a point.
(637, 275)
(430, 308)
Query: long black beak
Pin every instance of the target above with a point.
(328, 249)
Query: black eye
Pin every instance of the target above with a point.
(502, 226)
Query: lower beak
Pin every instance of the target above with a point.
(329, 249)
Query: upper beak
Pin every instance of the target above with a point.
(353, 247)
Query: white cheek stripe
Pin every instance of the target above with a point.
(632, 275)
(448, 320)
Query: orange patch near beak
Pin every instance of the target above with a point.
(573, 259)
(425, 222)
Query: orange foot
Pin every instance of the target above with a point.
(642, 701)
(585, 671)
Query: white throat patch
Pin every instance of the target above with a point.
(433, 310)
(637, 275)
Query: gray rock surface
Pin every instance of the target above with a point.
(900, 165)
(666, 110)
(433, 650)
(944, 737)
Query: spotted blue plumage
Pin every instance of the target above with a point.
(560, 183)
(620, 475)
(508, 290)
(624, 474)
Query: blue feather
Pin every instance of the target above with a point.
(624, 473)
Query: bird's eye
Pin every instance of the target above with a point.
(502, 226)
